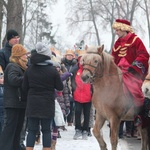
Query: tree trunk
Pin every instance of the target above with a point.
(14, 16)
(1, 21)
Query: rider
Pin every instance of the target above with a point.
(132, 58)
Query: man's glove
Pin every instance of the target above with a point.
(131, 70)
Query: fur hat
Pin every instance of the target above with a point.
(123, 25)
(18, 50)
(11, 33)
(43, 49)
(69, 52)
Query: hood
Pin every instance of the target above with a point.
(38, 58)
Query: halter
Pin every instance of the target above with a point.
(99, 69)
(148, 79)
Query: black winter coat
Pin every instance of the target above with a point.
(40, 81)
(4, 55)
(13, 95)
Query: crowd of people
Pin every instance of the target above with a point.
(30, 83)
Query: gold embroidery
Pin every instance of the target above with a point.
(132, 41)
(122, 55)
(123, 50)
(115, 50)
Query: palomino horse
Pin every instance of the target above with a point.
(108, 98)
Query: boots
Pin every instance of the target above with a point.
(29, 148)
(53, 144)
(69, 124)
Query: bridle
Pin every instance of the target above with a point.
(148, 79)
(98, 70)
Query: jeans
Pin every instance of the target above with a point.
(33, 128)
(71, 114)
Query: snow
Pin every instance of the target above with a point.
(66, 142)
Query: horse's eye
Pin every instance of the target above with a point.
(96, 61)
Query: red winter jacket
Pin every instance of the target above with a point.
(82, 93)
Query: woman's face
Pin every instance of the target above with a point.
(24, 58)
(120, 33)
(69, 56)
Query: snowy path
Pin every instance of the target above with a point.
(67, 142)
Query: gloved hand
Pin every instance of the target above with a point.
(67, 111)
(131, 70)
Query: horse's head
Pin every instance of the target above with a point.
(146, 86)
(91, 63)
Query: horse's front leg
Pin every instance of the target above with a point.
(99, 122)
(114, 128)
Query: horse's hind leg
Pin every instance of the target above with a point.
(96, 131)
(144, 138)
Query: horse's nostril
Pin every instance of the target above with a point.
(84, 78)
(87, 76)
(146, 90)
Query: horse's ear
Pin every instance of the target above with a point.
(100, 49)
(86, 47)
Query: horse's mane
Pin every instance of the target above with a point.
(107, 60)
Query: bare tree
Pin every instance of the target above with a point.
(146, 8)
(84, 12)
(37, 23)
(101, 13)
(14, 15)
(1, 20)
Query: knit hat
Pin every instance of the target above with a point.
(123, 25)
(43, 49)
(11, 33)
(18, 50)
(69, 52)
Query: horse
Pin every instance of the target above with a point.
(109, 99)
(146, 92)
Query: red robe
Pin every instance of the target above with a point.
(130, 51)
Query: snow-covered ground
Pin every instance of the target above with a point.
(66, 141)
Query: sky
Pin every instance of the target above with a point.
(58, 18)
(59, 22)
